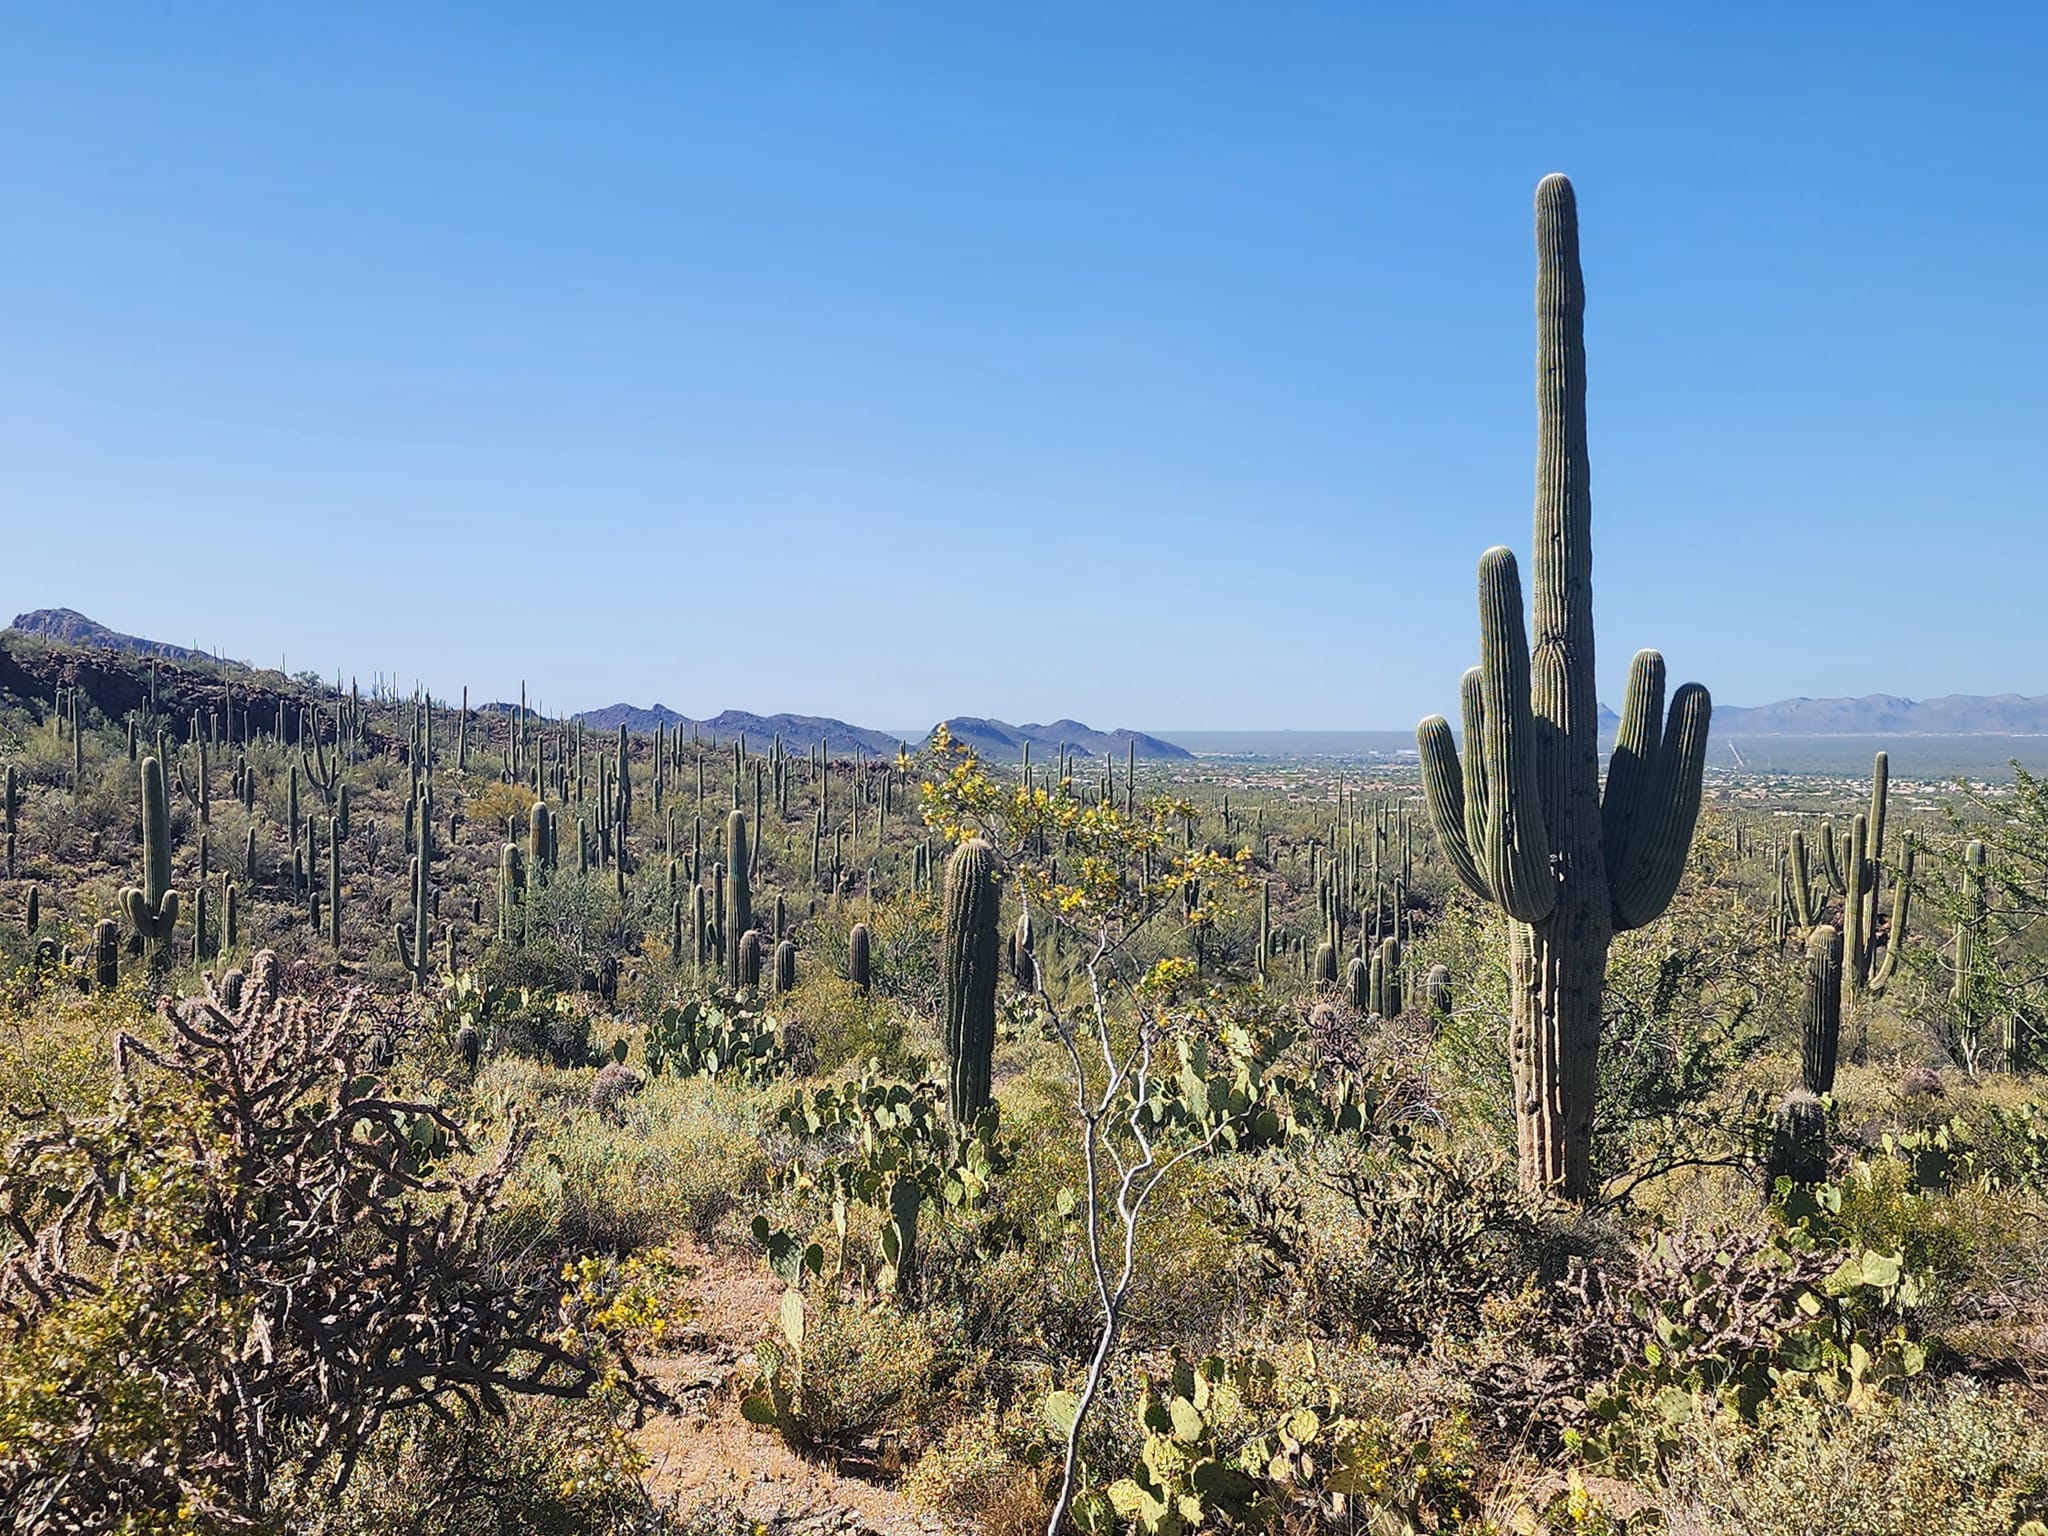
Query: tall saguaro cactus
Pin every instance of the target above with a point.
(1523, 820)
(414, 947)
(739, 902)
(153, 908)
(968, 967)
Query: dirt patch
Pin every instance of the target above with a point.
(704, 1454)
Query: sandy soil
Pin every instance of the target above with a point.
(705, 1453)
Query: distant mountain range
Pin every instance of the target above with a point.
(796, 731)
(1875, 714)
(1883, 714)
(991, 738)
(67, 626)
(994, 739)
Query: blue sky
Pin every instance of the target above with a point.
(1157, 365)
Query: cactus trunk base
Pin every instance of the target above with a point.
(1554, 1046)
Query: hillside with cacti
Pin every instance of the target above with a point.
(449, 1117)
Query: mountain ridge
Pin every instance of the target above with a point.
(1872, 714)
(997, 739)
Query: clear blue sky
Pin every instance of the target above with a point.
(1159, 365)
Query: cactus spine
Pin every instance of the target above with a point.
(969, 962)
(1523, 821)
(153, 910)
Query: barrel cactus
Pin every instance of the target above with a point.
(969, 963)
(785, 967)
(1523, 820)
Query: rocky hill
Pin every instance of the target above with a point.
(67, 626)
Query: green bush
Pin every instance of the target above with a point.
(546, 1468)
(680, 1155)
(1962, 1460)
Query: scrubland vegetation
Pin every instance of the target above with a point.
(441, 1120)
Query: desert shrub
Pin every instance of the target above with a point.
(1406, 1245)
(904, 932)
(56, 1044)
(839, 1371)
(1736, 1318)
(980, 1472)
(577, 933)
(672, 1160)
(841, 1026)
(1880, 1208)
(498, 803)
(864, 1367)
(1963, 1460)
(553, 1469)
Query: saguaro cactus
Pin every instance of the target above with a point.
(1820, 1011)
(540, 846)
(153, 909)
(1969, 937)
(414, 948)
(858, 964)
(785, 966)
(106, 954)
(1024, 953)
(1523, 821)
(1436, 989)
(969, 965)
(739, 902)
